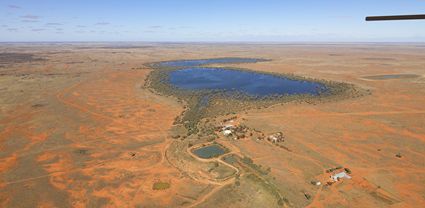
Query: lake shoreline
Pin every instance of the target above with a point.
(220, 103)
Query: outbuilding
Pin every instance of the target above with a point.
(340, 175)
(227, 132)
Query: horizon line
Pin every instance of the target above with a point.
(232, 42)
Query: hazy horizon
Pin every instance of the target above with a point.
(218, 21)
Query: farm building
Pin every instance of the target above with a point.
(276, 137)
(340, 175)
(227, 132)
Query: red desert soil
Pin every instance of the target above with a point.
(79, 129)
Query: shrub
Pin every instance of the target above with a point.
(160, 185)
(210, 139)
(247, 160)
(347, 170)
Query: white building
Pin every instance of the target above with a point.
(340, 175)
(227, 132)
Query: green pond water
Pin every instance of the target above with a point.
(209, 151)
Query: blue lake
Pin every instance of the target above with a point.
(192, 75)
(251, 83)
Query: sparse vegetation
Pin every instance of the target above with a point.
(14, 58)
(247, 160)
(333, 169)
(256, 167)
(161, 185)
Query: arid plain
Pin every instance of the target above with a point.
(80, 128)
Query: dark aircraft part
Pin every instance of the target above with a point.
(396, 17)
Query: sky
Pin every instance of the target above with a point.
(208, 20)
